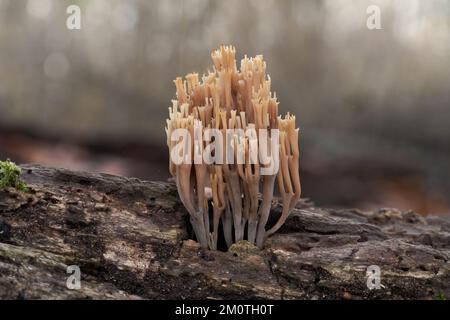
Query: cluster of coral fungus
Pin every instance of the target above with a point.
(236, 186)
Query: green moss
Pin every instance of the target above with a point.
(9, 176)
(441, 296)
(243, 247)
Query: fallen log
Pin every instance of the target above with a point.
(131, 239)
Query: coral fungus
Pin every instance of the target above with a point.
(227, 147)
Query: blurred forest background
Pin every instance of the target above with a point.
(373, 105)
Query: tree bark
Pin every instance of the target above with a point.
(130, 239)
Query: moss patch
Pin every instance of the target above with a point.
(10, 176)
(441, 296)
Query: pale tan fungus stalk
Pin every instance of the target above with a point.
(219, 203)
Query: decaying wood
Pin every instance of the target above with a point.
(130, 239)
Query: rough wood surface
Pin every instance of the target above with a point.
(130, 239)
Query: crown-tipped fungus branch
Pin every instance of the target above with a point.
(288, 177)
(218, 130)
